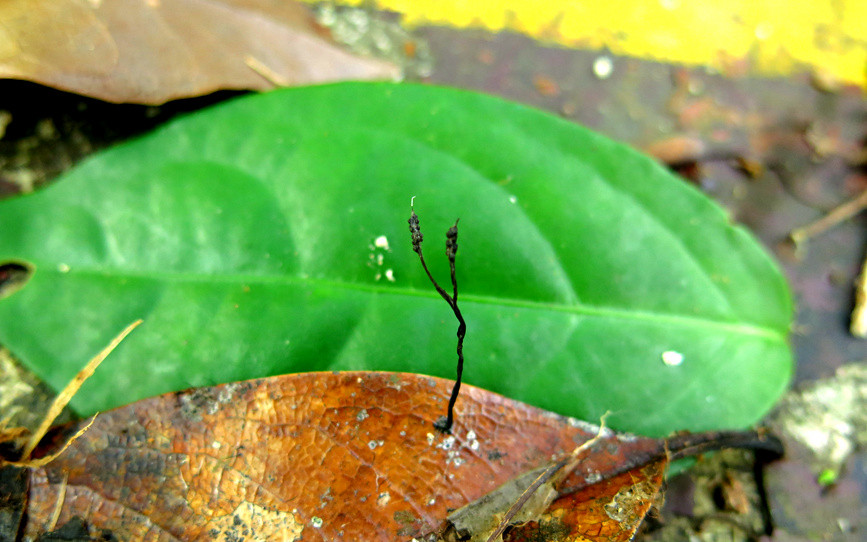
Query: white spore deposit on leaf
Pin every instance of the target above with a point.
(381, 242)
(672, 358)
(379, 247)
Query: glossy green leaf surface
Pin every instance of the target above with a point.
(269, 235)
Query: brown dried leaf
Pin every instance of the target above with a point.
(320, 454)
(325, 456)
(152, 51)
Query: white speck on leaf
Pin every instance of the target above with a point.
(593, 477)
(472, 443)
(383, 499)
(454, 457)
(381, 242)
(389, 274)
(316, 522)
(362, 415)
(447, 443)
(672, 358)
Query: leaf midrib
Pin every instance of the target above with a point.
(679, 320)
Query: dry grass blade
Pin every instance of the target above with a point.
(70, 390)
(858, 326)
(42, 461)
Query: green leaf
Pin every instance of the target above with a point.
(246, 238)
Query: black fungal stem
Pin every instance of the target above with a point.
(444, 424)
(451, 251)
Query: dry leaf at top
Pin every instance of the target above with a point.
(152, 51)
(319, 455)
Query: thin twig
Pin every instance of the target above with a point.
(834, 217)
(693, 444)
(444, 424)
(58, 506)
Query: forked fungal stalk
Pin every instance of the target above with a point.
(445, 423)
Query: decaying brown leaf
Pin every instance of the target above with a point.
(321, 456)
(152, 51)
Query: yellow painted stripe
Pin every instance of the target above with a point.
(775, 37)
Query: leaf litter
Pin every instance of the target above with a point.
(291, 455)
